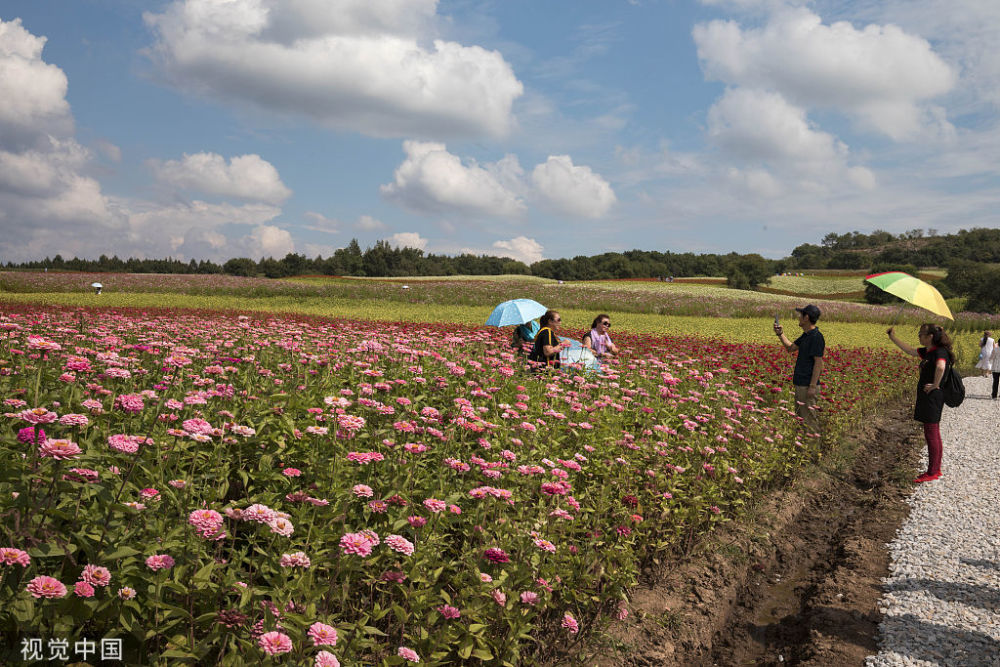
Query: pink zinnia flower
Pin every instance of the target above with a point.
(291, 472)
(297, 559)
(570, 623)
(12, 556)
(159, 562)
(499, 597)
(362, 491)
(357, 544)
(449, 612)
(435, 505)
(46, 587)
(130, 403)
(496, 556)
(95, 575)
(322, 634)
(408, 654)
(83, 590)
(126, 593)
(275, 643)
(281, 526)
(400, 544)
(149, 494)
(529, 597)
(60, 450)
(28, 434)
(177, 483)
(326, 659)
(74, 420)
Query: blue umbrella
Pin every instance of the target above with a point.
(516, 311)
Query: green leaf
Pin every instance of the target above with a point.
(465, 650)
(204, 575)
(50, 550)
(121, 552)
(482, 654)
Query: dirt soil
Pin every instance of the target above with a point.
(796, 583)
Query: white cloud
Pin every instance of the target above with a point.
(757, 125)
(42, 184)
(880, 74)
(408, 240)
(756, 182)
(268, 241)
(520, 248)
(245, 176)
(33, 91)
(573, 190)
(367, 223)
(431, 181)
(372, 67)
(321, 223)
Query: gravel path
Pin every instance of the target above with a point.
(942, 605)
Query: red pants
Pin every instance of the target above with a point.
(932, 434)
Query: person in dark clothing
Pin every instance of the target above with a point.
(808, 365)
(547, 344)
(935, 355)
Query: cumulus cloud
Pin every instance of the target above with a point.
(520, 248)
(880, 74)
(573, 190)
(42, 183)
(758, 125)
(432, 181)
(372, 67)
(33, 91)
(49, 205)
(408, 240)
(268, 241)
(245, 176)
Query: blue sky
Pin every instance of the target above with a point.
(211, 129)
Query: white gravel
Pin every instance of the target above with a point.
(942, 605)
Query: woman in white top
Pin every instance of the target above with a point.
(986, 346)
(995, 367)
(597, 339)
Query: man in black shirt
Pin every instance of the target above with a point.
(808, 365)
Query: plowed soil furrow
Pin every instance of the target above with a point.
(797, 583)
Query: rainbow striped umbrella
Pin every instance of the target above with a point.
(912, 290)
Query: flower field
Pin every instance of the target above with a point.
(222, 488)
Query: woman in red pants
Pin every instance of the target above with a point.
(935, 355)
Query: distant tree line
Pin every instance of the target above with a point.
(854, 250)
(850, 251)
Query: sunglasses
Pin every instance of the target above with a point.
(607, 324)
(557, 320)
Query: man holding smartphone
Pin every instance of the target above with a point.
(808, 365)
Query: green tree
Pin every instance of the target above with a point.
(240, 266)
(748, 271)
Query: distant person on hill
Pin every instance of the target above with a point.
(524, 333)
(935, 355)
(808, 365)
(995, 367)
(597, 339)
(547, 344)
(986, 345)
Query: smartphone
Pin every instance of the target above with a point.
(776, 322)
